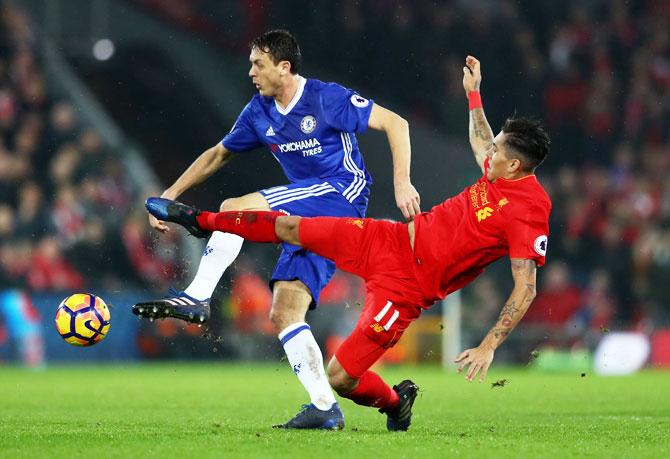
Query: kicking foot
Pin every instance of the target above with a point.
(310, 417)
(179, 306)
(400, 417)
(172, 211)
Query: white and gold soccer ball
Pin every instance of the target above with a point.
(82, 319)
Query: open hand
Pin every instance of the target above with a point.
(158, 225)
(479, 358)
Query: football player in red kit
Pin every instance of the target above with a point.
(409, 266)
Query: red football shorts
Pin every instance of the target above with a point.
(380, 326)
(380, 252)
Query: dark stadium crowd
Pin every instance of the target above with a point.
(67, 207)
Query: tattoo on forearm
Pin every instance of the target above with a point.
(524, 265)
(527, 269)
(480, 128)
(509, 310)
(501, 332)
(507, 314)
(523, 271)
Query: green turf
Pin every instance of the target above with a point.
(219, 410)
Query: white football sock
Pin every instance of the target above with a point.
(306, 361)
(220, 252)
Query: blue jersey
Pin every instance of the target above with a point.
(312, 138)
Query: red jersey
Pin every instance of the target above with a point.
(458, 238)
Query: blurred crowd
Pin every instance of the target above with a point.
(67, 208)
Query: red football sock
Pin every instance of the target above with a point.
(373, 391)
(252, 225)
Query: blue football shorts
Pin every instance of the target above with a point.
(311, 199)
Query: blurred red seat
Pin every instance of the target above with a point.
(660, 348)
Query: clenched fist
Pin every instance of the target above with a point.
(472, 75)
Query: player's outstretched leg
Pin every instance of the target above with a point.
(253, 225)
(310, 417)
(181, 305)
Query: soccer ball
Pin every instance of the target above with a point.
(82, 319)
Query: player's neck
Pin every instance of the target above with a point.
(518, 175)
(287, 92)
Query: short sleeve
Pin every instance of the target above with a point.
(242, 137)
(527, 235)
(344, 109)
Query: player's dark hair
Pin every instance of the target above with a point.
(281, 45)
(528, 139)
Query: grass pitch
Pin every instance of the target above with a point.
(226, 410)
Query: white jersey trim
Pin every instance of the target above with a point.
(296, 98)
(311, 194)
(358, 184)
(273, 192)
(273, 197)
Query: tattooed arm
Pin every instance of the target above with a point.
(481, 135)
(523, 272)
(480, 358)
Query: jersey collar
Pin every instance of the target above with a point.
(517, 179)
(296, 98)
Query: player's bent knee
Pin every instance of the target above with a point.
(340, 383)
(230, 204)
(339, 380)
(252, 201)
(290, 303)
(278, 319)
(281, 319)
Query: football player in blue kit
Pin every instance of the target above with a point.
(310, 127)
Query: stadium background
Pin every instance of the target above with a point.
(103, 103)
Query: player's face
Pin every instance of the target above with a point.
(500, 164)
(265, 75)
